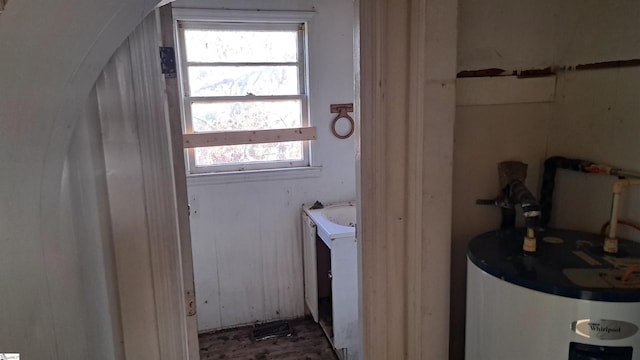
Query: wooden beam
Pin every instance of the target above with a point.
(248, 137)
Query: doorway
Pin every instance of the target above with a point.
(245, 227)
(404, 206)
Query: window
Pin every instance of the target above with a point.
(244, 95)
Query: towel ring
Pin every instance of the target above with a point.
(341, 115)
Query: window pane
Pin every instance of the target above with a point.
(249, 115)
(241, 46)
(243, 80)
(250, 153)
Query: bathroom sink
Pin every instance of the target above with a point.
(344, 214)
(336, 221)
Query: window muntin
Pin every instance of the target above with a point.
(239, 77)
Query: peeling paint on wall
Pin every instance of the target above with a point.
(548, 71)
(501, 72)
(482, 73)
(609, 64)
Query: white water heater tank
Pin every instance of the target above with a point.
(566, 301)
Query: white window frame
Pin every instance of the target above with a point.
(198, 18)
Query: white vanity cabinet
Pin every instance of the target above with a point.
(331, 275)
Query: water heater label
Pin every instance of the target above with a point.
(604, 329)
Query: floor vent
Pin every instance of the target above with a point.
(271, 330)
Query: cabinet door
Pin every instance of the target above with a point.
(344, 288)
(310, 267)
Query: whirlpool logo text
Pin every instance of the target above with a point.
(604, 329)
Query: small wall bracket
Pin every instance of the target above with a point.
(342, 110)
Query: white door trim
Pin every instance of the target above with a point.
(407, 107)
(174, 123)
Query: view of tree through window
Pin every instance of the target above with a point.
(239, 77)
(7, 356)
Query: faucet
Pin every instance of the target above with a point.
(512, 175)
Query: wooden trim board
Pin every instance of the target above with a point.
(165, 20)
(406, 105)
(248, 137)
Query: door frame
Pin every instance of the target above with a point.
(406, 76)
(405, 96)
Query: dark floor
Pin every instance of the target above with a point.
(307, 343)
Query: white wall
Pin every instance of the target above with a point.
(245, 231)
(86, 236)
(81, 279)
(592, 116)
(537, 34)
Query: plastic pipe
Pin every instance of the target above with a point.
(553, 163)
(625, 173)
(611, 242)
(529, 244)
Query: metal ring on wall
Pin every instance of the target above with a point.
(342, 114)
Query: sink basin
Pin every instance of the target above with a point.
(336, 221)
(344, 214)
